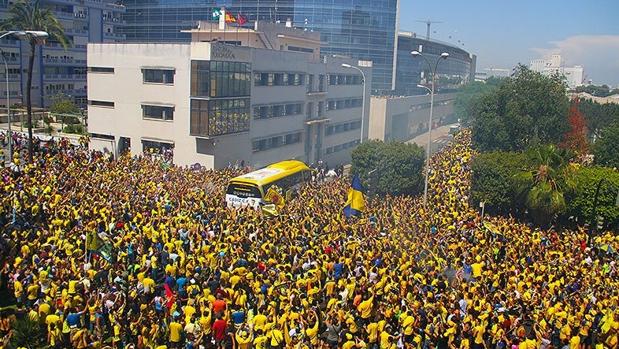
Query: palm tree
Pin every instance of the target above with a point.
(543, 186)
(29, 15)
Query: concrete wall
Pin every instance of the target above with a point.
(402, 118)
(125, 87)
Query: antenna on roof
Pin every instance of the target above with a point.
(428, 23)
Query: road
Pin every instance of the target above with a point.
(440, 137)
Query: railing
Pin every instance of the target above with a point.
(114, 36)
(65, 76)
(72, 92)
(64, 60)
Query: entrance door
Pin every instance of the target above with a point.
(124, 145)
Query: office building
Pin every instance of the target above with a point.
(453, 72)
(403, 118)
(574, 76)
(270, 97)
(364, 30)
(58, 70)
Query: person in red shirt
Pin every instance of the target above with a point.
(219, 331)
(219, 305)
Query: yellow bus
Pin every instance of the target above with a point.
(250, 188)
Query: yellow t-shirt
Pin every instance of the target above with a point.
(365, 308)
(175, 332)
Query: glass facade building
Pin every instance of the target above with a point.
(411, 71)
(362, 29)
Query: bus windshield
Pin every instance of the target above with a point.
(242, 190)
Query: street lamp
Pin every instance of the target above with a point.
(363, 101)
(444, 55)
(21, 35)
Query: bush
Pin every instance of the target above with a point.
(389, 168)
(76, 129)
(580, 203)
(493, 179)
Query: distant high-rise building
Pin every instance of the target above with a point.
(58, 70)
(365, 30)
(575, 76)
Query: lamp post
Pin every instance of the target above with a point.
(444, 55)
(21, 35)
(363, 101)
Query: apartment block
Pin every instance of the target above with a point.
(58, 70)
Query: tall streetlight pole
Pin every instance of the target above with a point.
(363, 101)
(444, 55)
(20, 34)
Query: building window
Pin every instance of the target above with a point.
(101, 103)
(343, 79)
(335, 104)
(158, 76)
(278, 79)
(272, 142)
(300, 49)
(276, 110)
(340, 147)
(157, 112)
(100, 70)
(220, 79)
(342, 127)
(219, 117)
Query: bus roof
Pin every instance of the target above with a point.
(272, 172)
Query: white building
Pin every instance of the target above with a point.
(575, 76)
(261, 96)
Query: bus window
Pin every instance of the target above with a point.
(243, 190)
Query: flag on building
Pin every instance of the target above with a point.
(230, 18)
(240, 19)
(216, 13)
(356, 202)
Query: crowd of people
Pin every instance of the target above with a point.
(177, 269)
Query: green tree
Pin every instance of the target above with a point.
(543, 188)
(493, 179)
(606, 148)
(389, 168)
(30, 15)
(526, 109)
(469, 96)
(580, 202)
(598, 116)
(67, 110)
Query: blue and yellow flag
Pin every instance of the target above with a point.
(356, 202)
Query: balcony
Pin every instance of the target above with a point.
(63, 61)
(114, 20)
(54, 45)
(64, 76)
(114, 36)
(75, 31)
(69, 92)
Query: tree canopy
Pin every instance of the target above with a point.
(526, 109)
(389, 168)
(606, 148)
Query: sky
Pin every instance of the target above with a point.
(503, 33)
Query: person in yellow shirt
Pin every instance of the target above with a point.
(176, 332)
